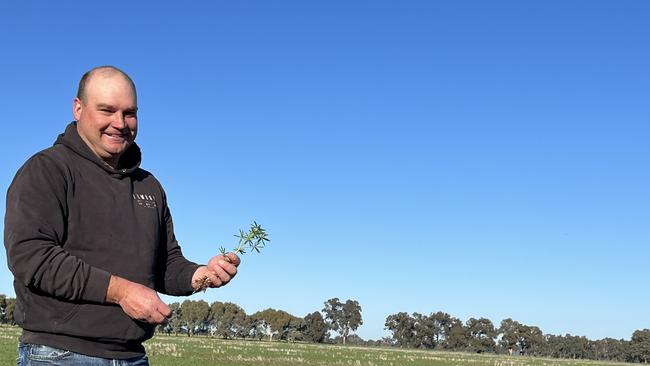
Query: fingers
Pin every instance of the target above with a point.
(143, 304)
(164, 310)
(219, 271)
(234, 259)
(158, 315)
(224, 271)
(154, 318)
(163, 314)
(215, 281)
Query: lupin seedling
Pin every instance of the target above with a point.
(254, 239)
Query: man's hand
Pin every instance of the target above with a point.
(218, 272)
(137, 301)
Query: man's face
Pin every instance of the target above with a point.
(107, 121)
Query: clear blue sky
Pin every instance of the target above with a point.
(486, 159)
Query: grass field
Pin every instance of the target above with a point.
(181, 350)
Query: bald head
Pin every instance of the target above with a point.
(104, 71)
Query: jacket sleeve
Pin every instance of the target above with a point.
(34, 233)
(176, 270)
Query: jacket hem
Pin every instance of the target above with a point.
(89, 347)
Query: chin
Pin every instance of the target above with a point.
(113, 151)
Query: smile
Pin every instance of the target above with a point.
(116, 137)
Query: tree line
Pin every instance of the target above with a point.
(439, 331)
(228, 320)
(444, 332)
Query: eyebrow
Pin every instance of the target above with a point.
(108, 106)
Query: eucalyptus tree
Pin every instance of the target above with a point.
(457, 335)
(292, 331)
(442, 323)
(527, 340)
(481, 335)
(640, 345)
(403, 328)
(611, 349)
(175, 323)
(228, 320)
(531, 340)
(425, 330)
(274, 321)
(259, 328)
(509, 331)
(343, 318)
(3, 307)
(9, 311)
(195, 315)
(314, 328)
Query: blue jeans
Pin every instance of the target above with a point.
(35, 354)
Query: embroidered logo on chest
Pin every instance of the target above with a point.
(145, 200)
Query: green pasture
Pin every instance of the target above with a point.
(8, 344)
(181, 350)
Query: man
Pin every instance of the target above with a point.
(90, 239)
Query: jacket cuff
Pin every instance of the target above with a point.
(184, 284)
(97, 286)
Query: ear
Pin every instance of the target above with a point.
(77, 108)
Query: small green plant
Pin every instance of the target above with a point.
(254, 239)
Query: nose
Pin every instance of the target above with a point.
(119, 122)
